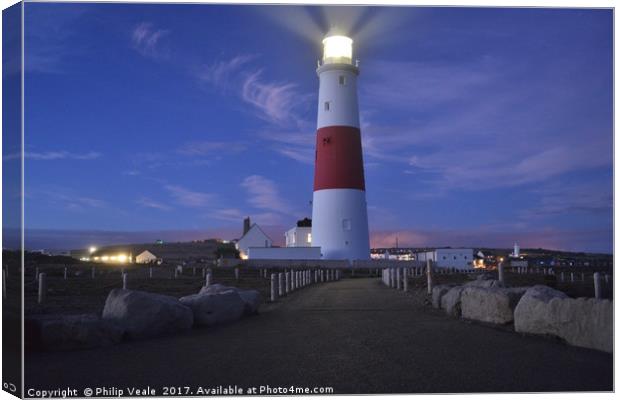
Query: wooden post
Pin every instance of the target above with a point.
(280, 284)
(397, 278)
(150, 272)
(4, 274)
(500, 272)
(287, 282)
(236, 274)
(572, 277)
(429, 277)
(36, 274)
(125, 280)
(65, 274)
(208, 279)
(337, 274)
(273, 287)
(194, 271)
(42, 287)
(176, 273)
(405, 282)
(597, 286)
(92, 272)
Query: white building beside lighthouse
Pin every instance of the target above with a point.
(339, 215)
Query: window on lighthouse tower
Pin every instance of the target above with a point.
(327, 106)
(342, 80)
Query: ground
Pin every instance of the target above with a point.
(354, 335)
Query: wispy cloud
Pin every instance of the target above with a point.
(67, 198)
(208, 148)
(220, 73)
(53, 155)
(275, 102)
(150, 203)
(145, 39)
(189, 198)
(264, 194)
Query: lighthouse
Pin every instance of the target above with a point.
(339, 215)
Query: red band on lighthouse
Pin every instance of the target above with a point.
(339, 163)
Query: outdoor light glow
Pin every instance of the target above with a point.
(337, 49)
(92, 249)
(122, 258)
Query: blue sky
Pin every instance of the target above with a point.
(480, 126)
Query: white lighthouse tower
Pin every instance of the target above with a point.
(339, 216)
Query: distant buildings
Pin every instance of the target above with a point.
(448, 257)
(146, 257)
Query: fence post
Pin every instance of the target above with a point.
(429, 277)
(150, 272)
(597, 286)
(124, 280)
(572, 277)
(65, 274)
(398, 278)
(42, 287)
(280, 284)
(273, 287)
(606, 279)
(36, 274)
(405, 282)
(4, 283)
(500, 272)
(236, 274)
(92, 272)
(208, 279)
(287, 282)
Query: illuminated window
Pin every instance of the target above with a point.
(342, 80)
(309, 238)
(327, 106)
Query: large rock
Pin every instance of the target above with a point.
(143, 314)
(536, 311)
(69, 332)
(581, 322)
(438, 292)
(212, 309)
(451, 301)
(494, 305)
(484, 283)
(251, 298)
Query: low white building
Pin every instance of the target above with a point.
(285, 253)
(254, 237)
(448, 258)
(300, 235)
(146, 257)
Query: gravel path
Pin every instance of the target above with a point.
(355, 335)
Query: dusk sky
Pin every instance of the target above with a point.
(480, 127)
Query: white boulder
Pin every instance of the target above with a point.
(451, 301)
(143, 314)
(212, 309)
(584, 322)
(493, 305)
(438, 292)
(251, 298)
